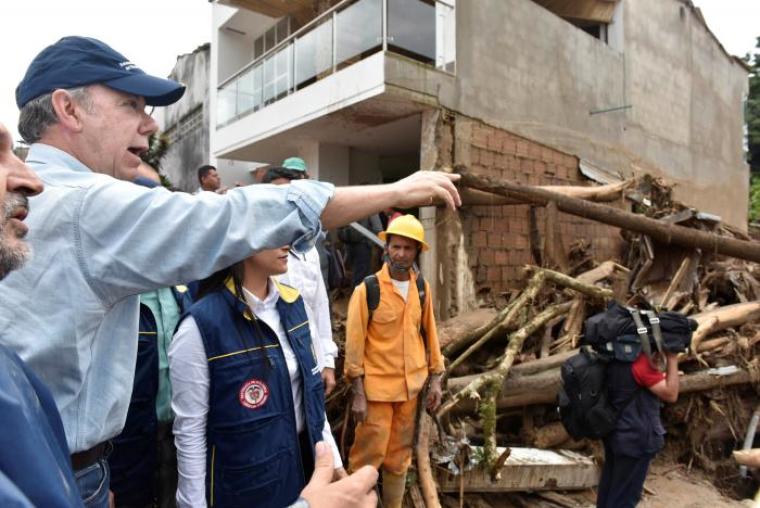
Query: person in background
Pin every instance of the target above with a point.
(359, 247)
(208, 179)
(305, 274)
(144, 460)
(247, 392)
(391, 352)
(72, 313)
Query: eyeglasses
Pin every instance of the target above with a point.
(149, 110)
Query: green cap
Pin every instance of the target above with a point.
(294, 163)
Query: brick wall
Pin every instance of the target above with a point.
(497, 238)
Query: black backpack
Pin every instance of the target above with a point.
(373, 298)
(584, 407)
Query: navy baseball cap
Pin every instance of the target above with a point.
(79, 61)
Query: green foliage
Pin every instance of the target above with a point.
(158, 145)
(753, 111)
(754, 198)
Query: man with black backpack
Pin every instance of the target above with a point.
(391, 350)
(635, 389)
(612, 390)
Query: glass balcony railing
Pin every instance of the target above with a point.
(349, 32)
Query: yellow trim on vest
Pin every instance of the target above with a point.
(219, 357)
(230, 285)
(147, 333)
(287, 293)
(298, 326)
(213, 461)
(181, 288)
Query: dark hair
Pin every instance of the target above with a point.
(280, 172)
(216, 282)
(203, 171)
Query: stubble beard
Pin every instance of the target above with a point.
(12, 255)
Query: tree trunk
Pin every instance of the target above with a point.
(424, 469)
(665, 233)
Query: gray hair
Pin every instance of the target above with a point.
(38, 114)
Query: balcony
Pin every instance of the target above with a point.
(350, 32)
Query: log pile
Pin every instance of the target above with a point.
(503, 366)
(503, 377)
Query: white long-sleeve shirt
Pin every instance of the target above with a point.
(188, 367)
(305, 274)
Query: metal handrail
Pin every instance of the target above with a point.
(307, 27)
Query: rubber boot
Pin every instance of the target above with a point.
(393, 489)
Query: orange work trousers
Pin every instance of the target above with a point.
(385, 438)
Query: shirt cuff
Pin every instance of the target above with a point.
(311, 198)
(353, 372)
(328, 361)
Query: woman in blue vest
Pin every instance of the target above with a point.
(247, 393)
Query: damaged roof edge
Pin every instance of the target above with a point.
(698, 13)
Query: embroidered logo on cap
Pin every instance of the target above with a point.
(253, 394)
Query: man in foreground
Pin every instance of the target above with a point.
(35, 468)
(391, 351)
(71, 314)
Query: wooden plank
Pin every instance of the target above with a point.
(528, 469)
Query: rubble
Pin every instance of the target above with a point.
(503, 364)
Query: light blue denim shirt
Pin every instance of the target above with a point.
(72, 312)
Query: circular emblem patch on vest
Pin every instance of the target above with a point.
(253, 394)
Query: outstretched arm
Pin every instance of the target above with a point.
(422, 188)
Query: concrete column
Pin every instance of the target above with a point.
(427, 214)
(334, 163)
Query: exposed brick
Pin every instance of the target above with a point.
(526, 165)
(509, 145)
(500, 257)
(481, 275)
(494, 241)
(486, 158)
(534, 151)
(494, 144)
(547, 154)
(493, 274)
(522, 148)
(486, 256)
(479, 239)
(479, 136)
(521, 242)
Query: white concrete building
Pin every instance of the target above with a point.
(533, 90)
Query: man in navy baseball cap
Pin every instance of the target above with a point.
(78, 61)
(81, 96)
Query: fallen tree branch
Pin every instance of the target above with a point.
(571, 283)
(424, 469)
(598, 193)
(510, 316)
(665, 233)
(498, 374)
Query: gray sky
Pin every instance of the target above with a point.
(152, 33)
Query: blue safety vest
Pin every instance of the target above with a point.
(35, 466)
(638, 430)
(133, 460)
(253, 452)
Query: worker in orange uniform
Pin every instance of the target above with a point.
(391, 350)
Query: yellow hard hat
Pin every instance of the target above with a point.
(407, 226)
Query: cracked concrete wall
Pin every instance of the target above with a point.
(523, 69)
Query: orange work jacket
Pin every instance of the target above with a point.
(389, 353)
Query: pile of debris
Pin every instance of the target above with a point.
(500, 410)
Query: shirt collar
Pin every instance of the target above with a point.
(258, 305)
(40, 153)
